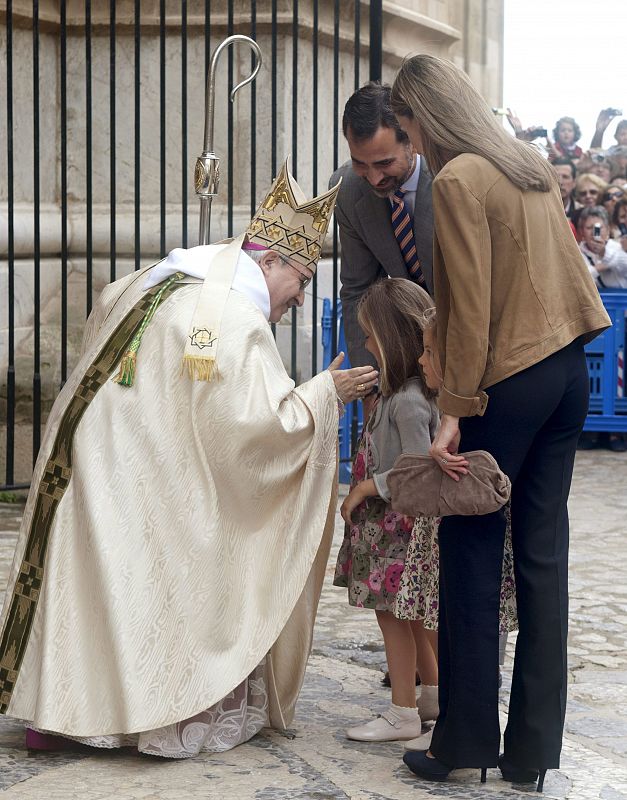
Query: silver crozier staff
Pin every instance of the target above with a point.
(207, 171)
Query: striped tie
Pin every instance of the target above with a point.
(403, 226)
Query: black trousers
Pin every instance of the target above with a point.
(531, 426)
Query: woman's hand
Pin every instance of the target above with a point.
(351, 384)
(445, 445)
(356, 496)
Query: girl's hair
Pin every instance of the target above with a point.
(429, 320)
(570, 121)
(391, 312)
(455, 119)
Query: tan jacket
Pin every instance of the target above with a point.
(511, 287)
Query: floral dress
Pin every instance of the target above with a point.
(372, 555)
(417, 596)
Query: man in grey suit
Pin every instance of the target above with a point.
(382, 162)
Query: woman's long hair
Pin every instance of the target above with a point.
(455, 119)
(391, 311)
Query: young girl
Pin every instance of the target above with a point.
(418, 590)
(419, 585)
(566, 134)
(372, 555)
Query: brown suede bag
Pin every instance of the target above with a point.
(419, 488)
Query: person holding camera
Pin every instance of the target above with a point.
(607, 262)
(606, 115)
(606, 258)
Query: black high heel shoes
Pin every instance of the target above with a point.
(430, 768)
(520, 774)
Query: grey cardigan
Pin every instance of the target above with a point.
(404, 422)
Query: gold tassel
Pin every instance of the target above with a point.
(128, 365)
(126, 375)
(200, 369)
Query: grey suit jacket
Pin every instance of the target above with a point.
(369, 249)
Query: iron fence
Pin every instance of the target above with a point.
(83, 70)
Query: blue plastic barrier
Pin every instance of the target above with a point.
(606, 359)
(352, 421)
(605, 356)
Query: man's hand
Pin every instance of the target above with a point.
(597, 246)
(444, 448)
(351, 384)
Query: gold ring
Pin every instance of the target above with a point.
(360, 387)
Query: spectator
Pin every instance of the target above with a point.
(600, 165)
(566, 134)
(606, 115)
(618, 228)
(588, 188)
(566, 176)
(608, 200)
(618, 160)
(606, 259)
(607, 262)
(621, 137)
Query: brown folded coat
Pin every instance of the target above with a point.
(420, 488)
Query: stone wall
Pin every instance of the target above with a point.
(469, 31)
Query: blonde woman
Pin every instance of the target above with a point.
(515, 306)
(589, 188)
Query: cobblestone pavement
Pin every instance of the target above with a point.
(315, 761)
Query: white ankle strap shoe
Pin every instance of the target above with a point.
(389, 727)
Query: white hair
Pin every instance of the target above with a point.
(256, 255)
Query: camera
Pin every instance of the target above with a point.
(598, 158)
(615, 112)
(537, 133)
(596, 231)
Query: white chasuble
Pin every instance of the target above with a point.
(177, 531)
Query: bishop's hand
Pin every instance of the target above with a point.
(352, 384)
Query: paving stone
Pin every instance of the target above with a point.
(315, 761)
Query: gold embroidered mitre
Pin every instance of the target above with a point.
(290, 224)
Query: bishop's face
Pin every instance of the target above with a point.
(286, 283)
(382, 160)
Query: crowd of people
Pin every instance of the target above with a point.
(593, 186)
(178, 527)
